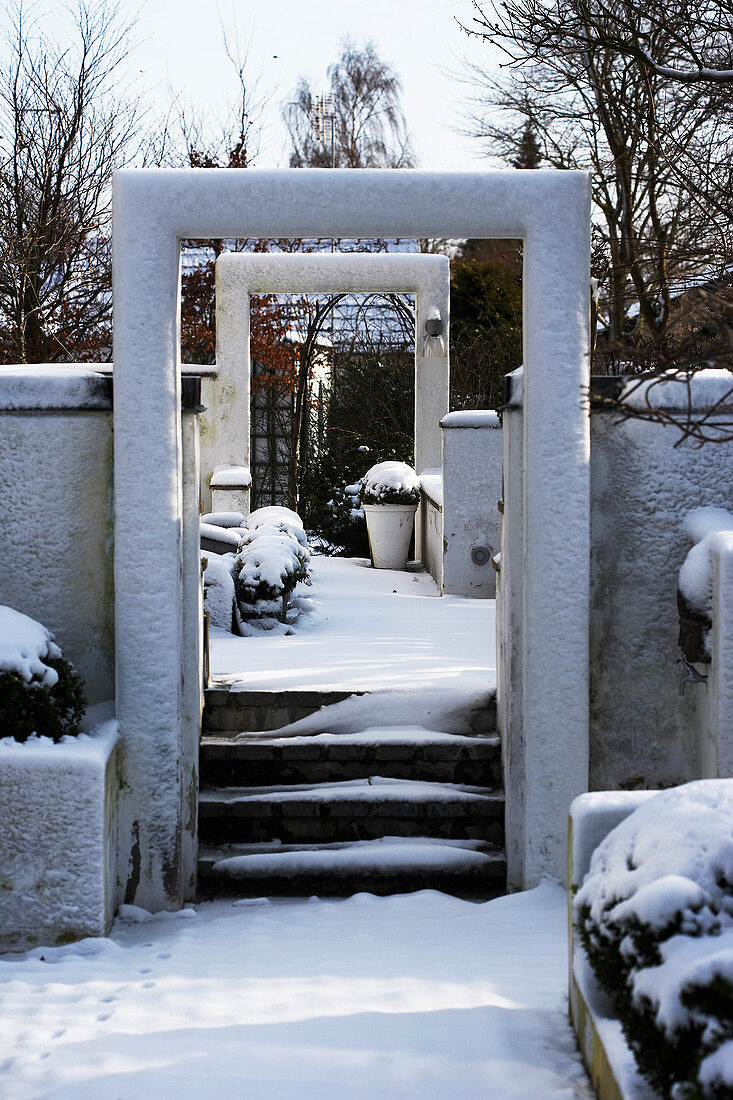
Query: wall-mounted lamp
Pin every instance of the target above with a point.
(434, 344)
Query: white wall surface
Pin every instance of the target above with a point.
(717, 728)
(57, 823)
(643, 732)
(430, 511)
(56, 512)
(472, 461)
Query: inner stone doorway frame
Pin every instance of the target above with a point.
(156, 579)
(226, 421)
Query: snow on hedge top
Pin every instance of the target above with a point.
(275, 520)
(275, 561)
(695, 577)
(390, 483)
(24, 646)
(273, 515)
(669, 856)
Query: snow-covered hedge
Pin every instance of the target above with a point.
(40, 692)
(655, 917)
(390, 483)
(273, 558)
(253, 584)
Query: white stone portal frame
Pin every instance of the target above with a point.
(156, 614)
(241, 274)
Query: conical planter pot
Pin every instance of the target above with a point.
(389, 527)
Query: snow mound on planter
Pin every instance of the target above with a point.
(655, 917)
(25, 646)
(695, 577)
(390, 483)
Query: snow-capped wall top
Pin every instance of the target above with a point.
(704, 389)
(53, 386)
(228, 475)
(472, 418)
(706, 521)
(93, 747)
(24, 646)
(390, 483)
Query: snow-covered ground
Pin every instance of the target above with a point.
(418, 995)
(370, 629)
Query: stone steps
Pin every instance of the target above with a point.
(236, 712)
(264, 761)
(388, 865)
(384, 810)
(355, 810)
(229, 713)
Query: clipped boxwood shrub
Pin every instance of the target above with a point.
(273, 557)
(40, 692)
(655, 918)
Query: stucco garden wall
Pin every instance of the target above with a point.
(56, 511)
(643, 733)
(644, 481)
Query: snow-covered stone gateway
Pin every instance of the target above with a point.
(156, 580)
(225, 425)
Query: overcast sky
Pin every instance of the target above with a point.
(181, 46)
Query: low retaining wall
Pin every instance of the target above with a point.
(716, 732)
(607, 1058)
(430, 525)
(58, 865)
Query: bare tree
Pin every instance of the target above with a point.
(63, 130)
(655, 150)
(696, 34)
(369, 129)
(639, 97)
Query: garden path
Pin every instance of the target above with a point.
(369, 629)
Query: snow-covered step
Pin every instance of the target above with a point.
(354, 810)
(382, 866)
(229, 712)
(406, 753)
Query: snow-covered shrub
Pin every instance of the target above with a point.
(342, 522)
(285, 519)
(40, 692)
(219, 589)
(655, 917)
(266, 572)
(390, 483)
